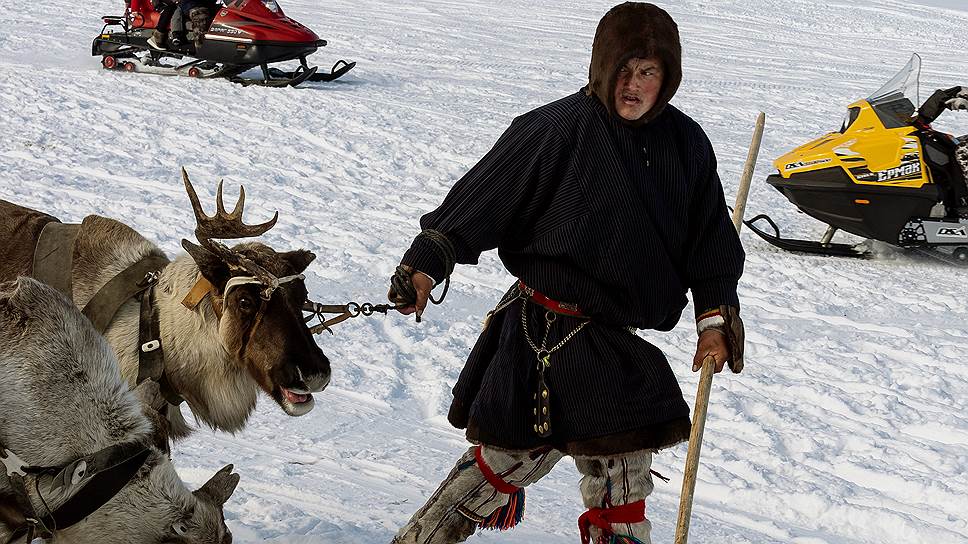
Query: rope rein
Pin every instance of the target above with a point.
(401, 284)
(402, 280)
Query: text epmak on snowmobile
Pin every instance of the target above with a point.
(886, 175)
(243, 34)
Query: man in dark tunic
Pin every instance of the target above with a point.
(607, 206)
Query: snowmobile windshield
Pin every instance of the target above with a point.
(271, 5)
(894, 103)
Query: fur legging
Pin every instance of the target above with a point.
(465, 497)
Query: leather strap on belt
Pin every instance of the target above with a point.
(549, 303)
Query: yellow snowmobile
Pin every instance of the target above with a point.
(886, 175)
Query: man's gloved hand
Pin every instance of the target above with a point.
(937, 103)
(736, 335)
(721, 335)
(960, 100)
(421, 284)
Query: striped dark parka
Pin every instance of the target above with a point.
(620, 218)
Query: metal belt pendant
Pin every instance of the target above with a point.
(542, 396)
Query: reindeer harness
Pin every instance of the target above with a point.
(52, 265)
(88, 483)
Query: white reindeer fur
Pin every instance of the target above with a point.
(219, 391)
(61, 397)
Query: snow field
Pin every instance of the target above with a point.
(848, 425)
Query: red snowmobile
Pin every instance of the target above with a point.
(243, 34)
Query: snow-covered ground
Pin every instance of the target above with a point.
(850, 424)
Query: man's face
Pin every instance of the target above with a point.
(637, 87)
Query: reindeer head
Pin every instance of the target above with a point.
(259, 295)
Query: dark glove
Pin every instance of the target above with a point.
(936, 103)
(959, 102)
(735, 335)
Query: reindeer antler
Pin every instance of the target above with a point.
(223, 225)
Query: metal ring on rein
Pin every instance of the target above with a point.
(345, 311)
(401, 282)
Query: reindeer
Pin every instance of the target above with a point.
(228, 321)
(64, 407)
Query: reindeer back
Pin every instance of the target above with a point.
(103, 249)
(61, 394)
(19, 231)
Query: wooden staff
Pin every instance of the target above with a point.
(744, 183)
(709, 363)
(695, 446)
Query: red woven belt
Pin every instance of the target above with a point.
(549, 303)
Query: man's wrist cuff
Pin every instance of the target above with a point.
(711, 319)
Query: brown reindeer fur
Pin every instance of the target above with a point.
(21, 228)
(103, 249)
(220, 387)
(635, 30)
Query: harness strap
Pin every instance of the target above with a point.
(111, 468)
(151, 354)
(496, 481)
(53, 255)
(105, 471)
(119, 289)
(332, 308)
(603, 518)
(197, 294)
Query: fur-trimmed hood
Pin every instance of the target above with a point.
(629, 30)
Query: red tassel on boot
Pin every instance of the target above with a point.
(511, 513)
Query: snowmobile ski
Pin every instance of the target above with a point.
(280, 79)
(339, 69)
(803, 246)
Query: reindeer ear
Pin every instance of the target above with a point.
(219, 487)
(209, 264)
(299, 259)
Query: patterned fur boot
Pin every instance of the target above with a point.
(198, 20)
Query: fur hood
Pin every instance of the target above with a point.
(635, 29)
